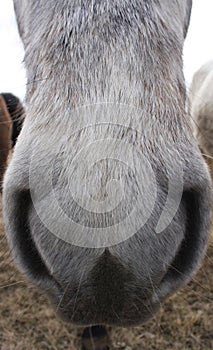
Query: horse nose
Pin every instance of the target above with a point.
(161, 252)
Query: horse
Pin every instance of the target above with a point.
(5, 138)
(11, 119)
(107, 199)
(16, 111)
(201, 106)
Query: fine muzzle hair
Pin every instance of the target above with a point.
(107, 200)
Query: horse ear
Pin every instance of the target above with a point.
(187, 16)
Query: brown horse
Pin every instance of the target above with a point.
(12, 116)
(5, 137)
(16, 111)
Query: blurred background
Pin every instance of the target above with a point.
(198, 46)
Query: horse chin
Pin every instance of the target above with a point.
(132, 315)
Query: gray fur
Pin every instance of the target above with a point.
(105, 70)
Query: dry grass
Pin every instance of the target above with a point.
(28, 322)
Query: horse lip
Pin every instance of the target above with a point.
(89, 314)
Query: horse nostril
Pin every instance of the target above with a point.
(192, 249)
